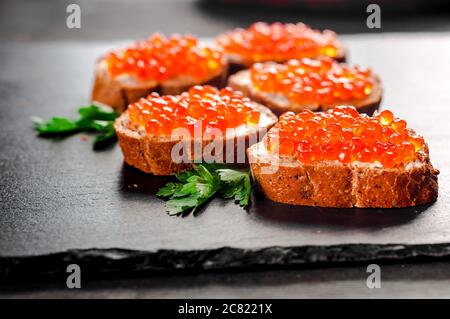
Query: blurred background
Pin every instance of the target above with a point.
(44, 20)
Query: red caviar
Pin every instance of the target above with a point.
(308, 81)
(278, 42)
(159, 58)
(344, 135)
(202, 106)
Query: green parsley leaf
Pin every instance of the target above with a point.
(197, 186)
(55, 126)
(97, 113)
(177, 206)
(92, 118)
(169, 189)
(236, 184)
(204, 173)
(185, 175)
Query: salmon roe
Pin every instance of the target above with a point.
(278, 42)
(159, 58)
(307, 81)
(204, 107)
(344, 135)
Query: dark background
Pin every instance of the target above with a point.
(44, 21)
(30, 20)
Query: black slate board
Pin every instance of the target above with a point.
(61, 201)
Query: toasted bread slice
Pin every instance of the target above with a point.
(152, 154)
(120, 91)
(279, 103)
(333, 184)
(237, 63)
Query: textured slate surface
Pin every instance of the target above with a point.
(61, 195)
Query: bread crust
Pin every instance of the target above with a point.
(152, 154)
(118, 93)
(279, 104)
(333, 184)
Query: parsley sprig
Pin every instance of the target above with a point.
(92, 118)
(196, 187)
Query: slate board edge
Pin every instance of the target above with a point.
(100, 262)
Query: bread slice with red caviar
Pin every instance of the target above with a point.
(283, 100)
(145, 129)
(163, 65)
(402, 179)
(278, 42)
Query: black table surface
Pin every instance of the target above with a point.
(60, 195)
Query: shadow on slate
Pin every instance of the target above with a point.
(282, 213)
(346, 217)
(148, 184)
